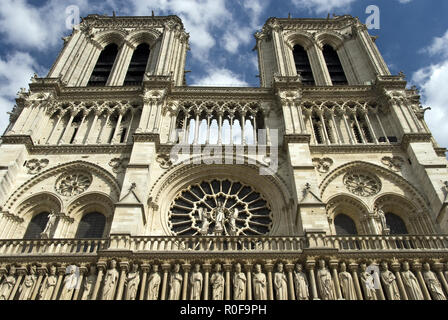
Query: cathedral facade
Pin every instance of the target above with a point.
(120, 182)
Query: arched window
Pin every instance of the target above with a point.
(396, 224)
(303, 65)
(104, 66)
(344, 225)
(334, 66)
(36, 226)
(91, 226)
(137, 67)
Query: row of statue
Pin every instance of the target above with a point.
(369, 283)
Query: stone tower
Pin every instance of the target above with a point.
(112, 158)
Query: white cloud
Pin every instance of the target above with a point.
(219, 77)
(404, 1)
(15, 73)
(322, 6)
(433, 82)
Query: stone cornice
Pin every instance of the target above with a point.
(98, 21)
(334, 23)
(362, 148)
(409, 138)
(297, 138)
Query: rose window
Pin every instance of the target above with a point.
(219, 207)
(72, 184)
(362, 184)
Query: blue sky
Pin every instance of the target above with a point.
(413, 38)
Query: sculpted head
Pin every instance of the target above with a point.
(343, 267)
(280, 267)
(197, 267)
(53, 270)
(135, 267)
(406, 266)
(321, 263)
(426, 266)
(384, 266)
(12, 270)
(176, 267)
(238, 267)
(155, 268)
(363, 267)
(258, 268)
(299, 267)
(113, 264)
(33, 269)
(218, 267)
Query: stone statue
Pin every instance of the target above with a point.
(175, 283)
(154, 284)
(382, 217)
(110, 281)
(49, 226)
(367, 283)
(433, 283)
(239, 283)
(28, 284)
(8, 284)
(389, 282)
(204, 216)
(280, 283)
(410, 283)
(259, 284)
(301, 283)
(217, 282)
(196, 282)
(89, 283)
(325, 282)
(220, 216)
(347, 284)
(132, 282)
(232, 221)
(70, 283)
(47, 289)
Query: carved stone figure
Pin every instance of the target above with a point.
(382, 217)
(49, 226)
(132, 282)
(217, 281)
(325, 282)
(239, 284)
(347, 284)
(389, 283)
(70, 283)
(367, 283)
(49, 284)
(196, 282)
(220, 216)
(280, 283)
(232, 221)
(89, 283)
(259, 284)
(28, 284)
(410, 283)
(204, 216)
(301, 283)
(175, 283)
(154, 284)
(8, 283)
(433, 283)
(110, 281)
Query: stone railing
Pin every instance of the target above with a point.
(222, 245)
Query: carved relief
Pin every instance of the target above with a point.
(35, 166)
(322, 164)
(393, 163)
(362, 184)
(164, 161)
(119, 164)
(72, 184)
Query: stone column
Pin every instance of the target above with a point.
(227, 268)
(82, 273)
(395, 266)
(101, 266)
(417, 266)
(73, 113)
(248, 269)
(96, 113)
(334, 268)
(207, 267)
(166, 268)
(289, 268)
(41, 271)
(269, 267)
(61, 273)
(353, 267)
(124, 265)
(310, 264)
(121, 113)
(145, 270)
(60, 117)
(21, 272)
(99, 139)
(438, 268)
(77, 138)
(186, 267)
